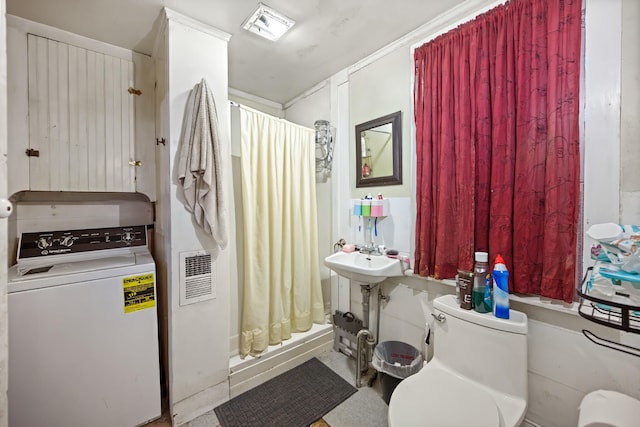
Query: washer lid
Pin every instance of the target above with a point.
(39, 270)
(434, 397)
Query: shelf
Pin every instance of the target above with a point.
(619, 275)
(616, 310)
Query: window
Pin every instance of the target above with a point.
(497, 145)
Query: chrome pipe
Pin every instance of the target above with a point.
(381, 298)
(366, 294)
(366, 297)
(364, 352)
(359, 353)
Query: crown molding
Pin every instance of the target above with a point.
(439, 25)
(172, 15)
(240, 94)
(306, 93)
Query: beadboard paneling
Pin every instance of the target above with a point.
(81, 118)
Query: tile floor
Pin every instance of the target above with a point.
(364, 408)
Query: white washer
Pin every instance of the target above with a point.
(83, 332)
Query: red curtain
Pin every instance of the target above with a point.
(497, 145)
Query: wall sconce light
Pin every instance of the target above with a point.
(324, 146)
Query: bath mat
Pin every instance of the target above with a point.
(296, 398)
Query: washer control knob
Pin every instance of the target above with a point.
(44, 242)
(127, 236)
(66, 241)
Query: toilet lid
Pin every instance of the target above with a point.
(434, 397)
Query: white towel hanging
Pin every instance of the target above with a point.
(200, 164)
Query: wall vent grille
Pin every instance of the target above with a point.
(196, 277)
(197, 265)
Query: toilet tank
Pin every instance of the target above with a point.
(481, 347)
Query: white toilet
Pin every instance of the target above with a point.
(606, 408)
(477, 377)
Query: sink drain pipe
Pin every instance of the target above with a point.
(365, 340)
(362, 353)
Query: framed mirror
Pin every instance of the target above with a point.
(379, 151)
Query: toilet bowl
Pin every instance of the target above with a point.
(477, 377)
(604, 408)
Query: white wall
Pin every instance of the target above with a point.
(198, 333)
(312, 107)
(629, 123)
(368, 101)
(4, 419)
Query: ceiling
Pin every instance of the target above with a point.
(328, 36)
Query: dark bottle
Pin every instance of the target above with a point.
(465, 284)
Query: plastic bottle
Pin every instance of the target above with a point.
(500, 277)
(480, 269)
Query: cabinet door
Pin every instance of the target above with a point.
(81, 119)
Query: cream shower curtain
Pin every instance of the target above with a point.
(282, 291)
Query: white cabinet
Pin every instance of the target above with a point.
(81, 119)
(87, 121)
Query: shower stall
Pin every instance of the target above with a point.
(252, 370)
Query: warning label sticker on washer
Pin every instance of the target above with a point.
(139, 292)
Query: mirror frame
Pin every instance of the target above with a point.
(395, 119)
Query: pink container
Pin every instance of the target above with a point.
(377, 208)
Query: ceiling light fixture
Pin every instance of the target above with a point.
(268, 23)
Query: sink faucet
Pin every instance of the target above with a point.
(370, 249)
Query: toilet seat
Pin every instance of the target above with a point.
(436, 397)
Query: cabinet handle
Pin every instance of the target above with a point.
(32, 153)
(134, 91)
(135, 163)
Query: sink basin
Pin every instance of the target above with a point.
(364, 268)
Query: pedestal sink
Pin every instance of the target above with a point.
(364, 268)
(369, 270)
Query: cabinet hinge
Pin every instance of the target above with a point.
(135, 163)
(32, 153)
(134, 91)
(161, 141)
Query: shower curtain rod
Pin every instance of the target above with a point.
(235, 104)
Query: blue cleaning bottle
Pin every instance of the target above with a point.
(500, 277)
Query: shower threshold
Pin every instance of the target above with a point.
(252, 371)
